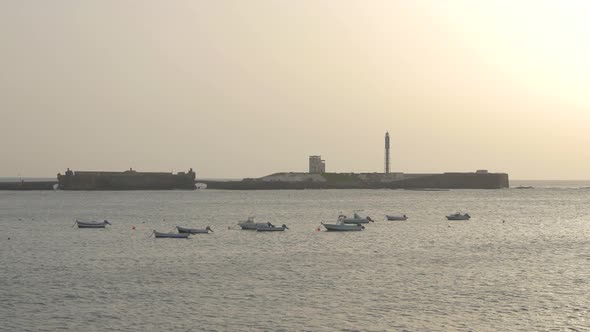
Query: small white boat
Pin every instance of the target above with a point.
(356, 219)
(251, 225)
(171, 235)
(271, 228)
(92, 224)
(459, 216)
(205, 230)
(396, 217)
(340, 226)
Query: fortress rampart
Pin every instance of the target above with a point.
(127, 180)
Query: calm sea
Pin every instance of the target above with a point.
(521, 264)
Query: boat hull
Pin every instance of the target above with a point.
(252, 226)
(91, 226)
(457, 218)
(343, 228)
(82, 224)
(402, 218)
(159, 235)
(270, 229)
(183, 230)
(355, 221)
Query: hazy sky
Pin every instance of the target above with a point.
(247, 88)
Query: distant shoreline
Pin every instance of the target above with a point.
(9, 183)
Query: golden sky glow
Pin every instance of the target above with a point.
(247, 88)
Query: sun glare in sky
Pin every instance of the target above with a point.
(159, 86)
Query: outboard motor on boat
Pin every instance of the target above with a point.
(369, 219)
(107, 222)
(285, 226)
(209, 229)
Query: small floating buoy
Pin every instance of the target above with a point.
(132, 227)
(9, 238)
(318, 229)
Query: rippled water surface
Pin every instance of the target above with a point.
(528, 273)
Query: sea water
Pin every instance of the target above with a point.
(522, 263)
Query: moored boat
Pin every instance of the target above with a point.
(271, 228)
(171, 235)
(92, 224)
(459, 216)
(396, 217)
(250, 224)
(356, 219)
(341, 227)
(205, 230)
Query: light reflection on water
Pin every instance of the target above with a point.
(529, 273)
